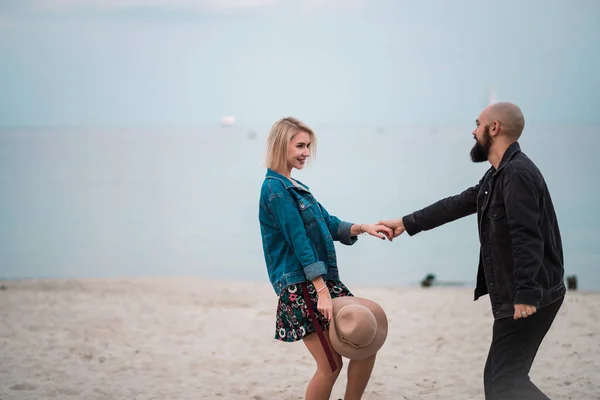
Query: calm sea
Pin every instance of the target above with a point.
(104, 202)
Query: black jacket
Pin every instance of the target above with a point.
(521, 256)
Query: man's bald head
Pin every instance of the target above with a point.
(509, 116)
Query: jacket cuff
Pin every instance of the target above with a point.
(314, 270)
(343, 232)
(528, 297)
(409, 225)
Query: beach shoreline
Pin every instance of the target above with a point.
(190, 338)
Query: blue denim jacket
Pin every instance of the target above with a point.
(297, 233)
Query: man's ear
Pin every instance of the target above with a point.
(494, 128)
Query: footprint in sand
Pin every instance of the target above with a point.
(23, 386)
(65, 391)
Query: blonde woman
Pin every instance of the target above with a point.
(298, 237)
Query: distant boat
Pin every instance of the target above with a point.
(492, 96)
(227, 121)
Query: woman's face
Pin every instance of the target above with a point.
(298, 150)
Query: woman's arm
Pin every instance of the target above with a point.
(320, 285)
(340, 231)
(347, 232)
(356, 229)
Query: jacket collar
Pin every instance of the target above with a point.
(513, 149)
(286, 182)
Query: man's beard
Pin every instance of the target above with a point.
(480, 152)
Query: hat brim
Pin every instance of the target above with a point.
(358, 353)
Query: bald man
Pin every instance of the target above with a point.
(521, 256)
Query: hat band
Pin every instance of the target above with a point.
(349, 343)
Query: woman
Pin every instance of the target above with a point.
(298, 237)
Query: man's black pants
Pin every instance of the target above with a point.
(514, 346)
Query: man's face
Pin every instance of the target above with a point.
(483, 142)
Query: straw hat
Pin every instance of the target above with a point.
(358, 327)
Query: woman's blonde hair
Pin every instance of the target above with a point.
(280, 137)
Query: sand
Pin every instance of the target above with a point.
(187, 338)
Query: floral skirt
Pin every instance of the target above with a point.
(293, 320)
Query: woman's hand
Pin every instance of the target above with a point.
(325, 304)
(378, 230)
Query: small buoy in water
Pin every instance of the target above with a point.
(227, 121)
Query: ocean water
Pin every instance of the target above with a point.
(105, 202)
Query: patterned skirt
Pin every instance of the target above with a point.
(293, 321)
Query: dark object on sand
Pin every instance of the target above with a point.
(3, 286)
(428, 281)
(572, 282)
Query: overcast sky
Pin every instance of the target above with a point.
(376, 62)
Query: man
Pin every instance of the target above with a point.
(520, 258)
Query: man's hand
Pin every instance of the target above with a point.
(524, 311)
(396, 224)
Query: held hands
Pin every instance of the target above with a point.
(396, 225)
(378, 230)
(383, 229)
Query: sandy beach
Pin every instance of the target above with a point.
(187, 338)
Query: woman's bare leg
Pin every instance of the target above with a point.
(321, 384)
(359, 373)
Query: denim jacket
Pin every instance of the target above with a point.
(297, 233)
